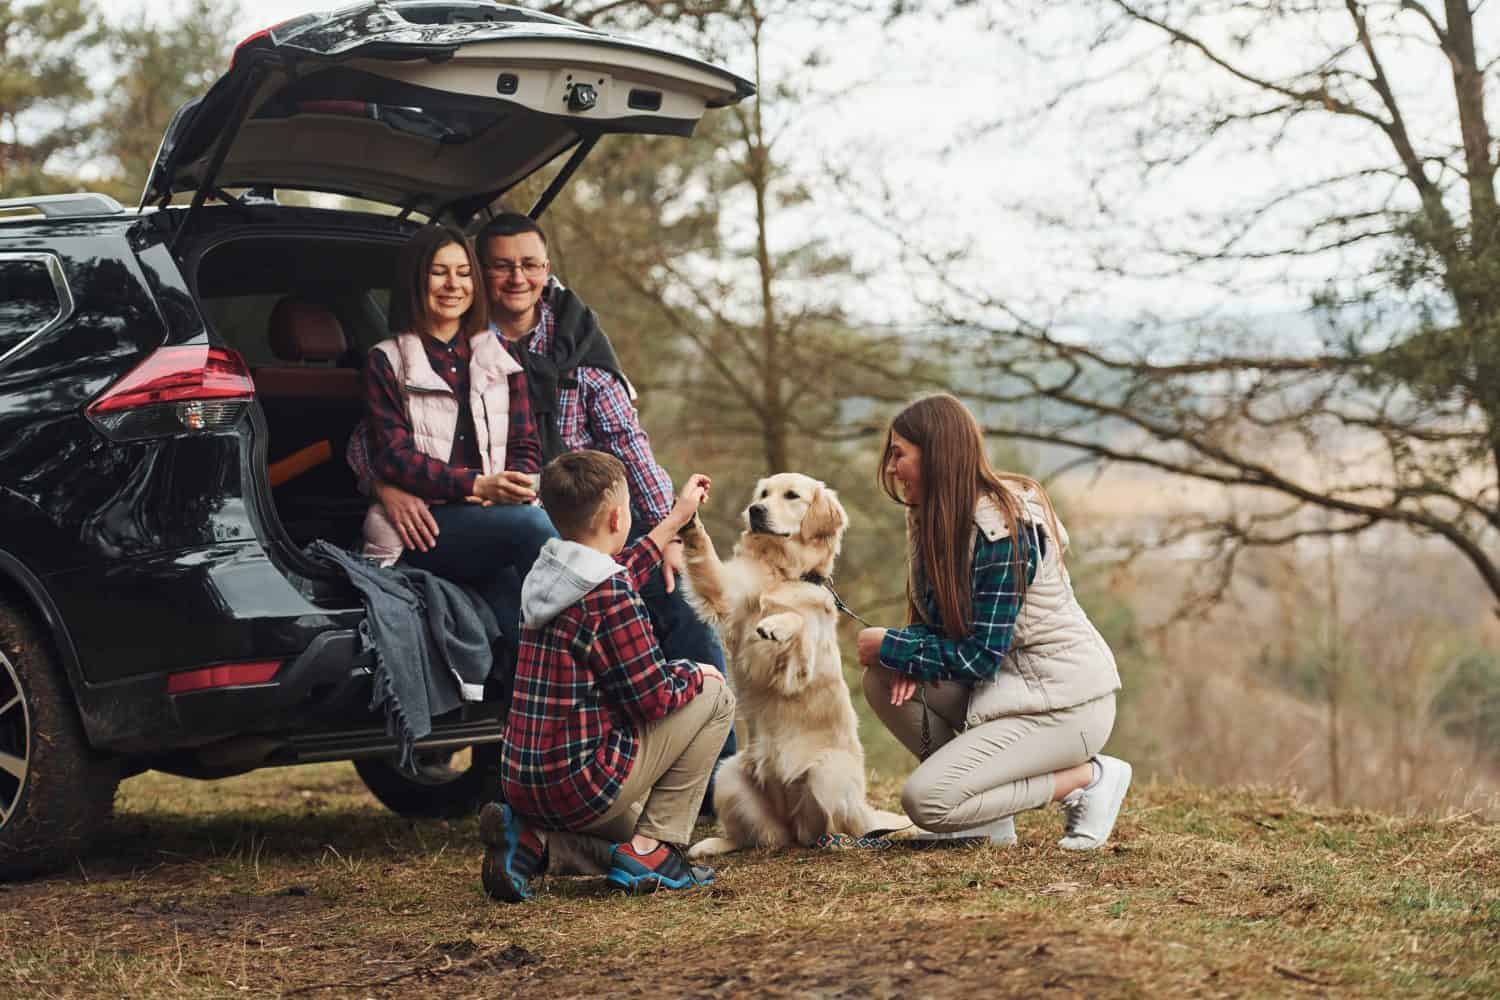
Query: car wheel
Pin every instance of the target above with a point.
(55, 792)
(444, 787)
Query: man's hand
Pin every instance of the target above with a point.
(504, 487)
(673, 562)
(868, 645)
(409, 513)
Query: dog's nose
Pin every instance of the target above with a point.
(757, 514)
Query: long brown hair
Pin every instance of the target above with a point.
(408, 312)
(955, 474)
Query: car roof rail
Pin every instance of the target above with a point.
(61, 206)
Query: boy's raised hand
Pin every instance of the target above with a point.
(693, 495)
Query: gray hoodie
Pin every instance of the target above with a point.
(563, 573)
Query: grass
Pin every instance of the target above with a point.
(295, 883)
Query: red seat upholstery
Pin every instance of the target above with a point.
(308, 335)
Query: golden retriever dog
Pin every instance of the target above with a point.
(800, 770)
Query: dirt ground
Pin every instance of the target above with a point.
(296, 883)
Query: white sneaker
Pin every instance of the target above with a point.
(1091, 812)
(1001, 833)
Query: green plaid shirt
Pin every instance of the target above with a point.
(925, 651)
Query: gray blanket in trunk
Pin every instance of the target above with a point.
(431, 638)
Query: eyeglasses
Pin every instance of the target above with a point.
(529, 267)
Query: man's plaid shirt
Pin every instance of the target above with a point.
(585, 684)
(925, 651)
(597, 413)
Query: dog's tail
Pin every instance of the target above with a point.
(883, 823)
(860, 819)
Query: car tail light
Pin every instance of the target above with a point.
(225, 675)
(176, 390)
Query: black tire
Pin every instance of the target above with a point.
(441, 791)
(55, 792)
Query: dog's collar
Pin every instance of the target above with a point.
(819, 580)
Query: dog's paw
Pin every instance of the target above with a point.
(778, 628)
(710, 847)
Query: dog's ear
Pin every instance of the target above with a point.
(825, 518)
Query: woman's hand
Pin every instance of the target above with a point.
(504, 487)
(903, 688)
(868, 645)
(409, 513)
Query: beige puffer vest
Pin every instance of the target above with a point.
(432, 409)
(1057, 657)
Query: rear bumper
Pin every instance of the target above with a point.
(134, 624)
(327, 684)
(316, 708)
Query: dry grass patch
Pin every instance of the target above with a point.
(295, 883)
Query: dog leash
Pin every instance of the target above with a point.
(838, 602)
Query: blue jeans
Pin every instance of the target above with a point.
(489, 548)
(681, 633)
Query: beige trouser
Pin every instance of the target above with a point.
(996, 769)
(661, 796)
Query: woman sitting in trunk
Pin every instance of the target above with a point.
(450, 420)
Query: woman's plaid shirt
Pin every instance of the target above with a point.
(586, 682)
(925, 651)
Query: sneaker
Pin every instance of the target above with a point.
(1001, 833)
(514, 854)
(664, 868)
(1091, 812)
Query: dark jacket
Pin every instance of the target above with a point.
(577, 341)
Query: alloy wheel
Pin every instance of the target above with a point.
(15, 739)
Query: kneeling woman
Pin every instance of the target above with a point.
(449, 420)
(1017, 687)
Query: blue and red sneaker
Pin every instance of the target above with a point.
(664, 868)
(514, 853)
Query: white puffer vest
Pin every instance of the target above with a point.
(1057, 657)
(432, 409)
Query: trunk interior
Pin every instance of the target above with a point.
(303, 309)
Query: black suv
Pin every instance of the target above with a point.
(178, 382)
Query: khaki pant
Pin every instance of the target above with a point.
(996, 769)
(661, 796)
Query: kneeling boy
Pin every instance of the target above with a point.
(608, 747)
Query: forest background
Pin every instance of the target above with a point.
(1224, 275)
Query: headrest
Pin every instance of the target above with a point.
(306, 331)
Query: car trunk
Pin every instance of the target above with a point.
(302, 304)
(436, 107)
